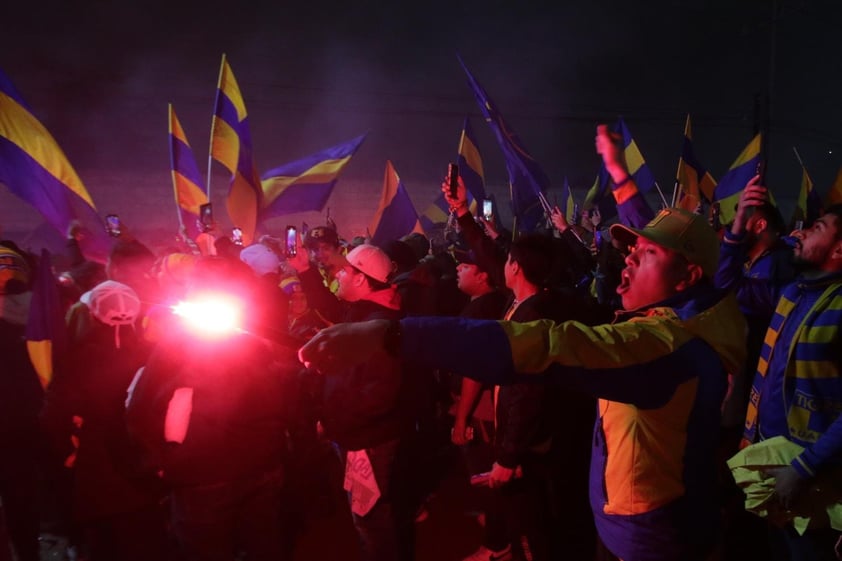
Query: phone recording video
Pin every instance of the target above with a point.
(453, 179)
(112, 225)
(237, 236)
(291, 241)
(487, 209)
(206, 217)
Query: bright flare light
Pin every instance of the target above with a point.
(211, 315)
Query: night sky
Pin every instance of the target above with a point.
(100, 74)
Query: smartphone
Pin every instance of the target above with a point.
(112, 225)
(206, 216)
(237, 236)
(291, 241)
(453, 178)
(487, 209)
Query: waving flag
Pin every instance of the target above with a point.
(527, 181)
(808, 207)
(35, 169)
(695, 183)
(306, 184)
(232, 147)
(395, 216)
(568, 203)
(834, 196)
(600, 195)
(45, 329)
(731, 185)
(437, 213)
(635, 162)
(186, 181)
(470, 163)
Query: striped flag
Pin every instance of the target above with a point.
(231, 146)
(695, 183)
(306, 184)
(45, 329)
(731, 185)
(808, 206)
(395, 216)
(527, 181)
(186, 181)
(34, 168)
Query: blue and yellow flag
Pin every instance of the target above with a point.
(834, 195)
(186, 180)
(599, 195)
(305, 184)
(731, 185)
(35, 169)
(527, 181)
(232, 147)
(396, 216)
(45, 328)
(695, 183)
(568, 203)
(808, 206)
(635, 162)
(470, 163)
(437, 213)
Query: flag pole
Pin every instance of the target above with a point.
(798, 156)
(661, 194)
(677, 186)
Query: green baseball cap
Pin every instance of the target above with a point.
(681, 231)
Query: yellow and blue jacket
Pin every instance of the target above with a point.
(660, 375)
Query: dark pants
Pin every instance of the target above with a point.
(815, 545)
(214, 522)
(387, 531)
(133, 536)
(19, 492)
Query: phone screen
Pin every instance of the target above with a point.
(237, 236)
(291, 242)
(206, 216)
(112, 225)
(487, 209)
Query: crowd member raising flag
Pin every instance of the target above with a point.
(527, 181)
(808, 206)
(731, 185)
(306, 184)
(694, 183)
(231, 146)
(470, 163)
(395, 216)
(35, 169)
(186, 181)
(638, 170)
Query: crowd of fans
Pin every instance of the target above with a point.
(666, 347)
